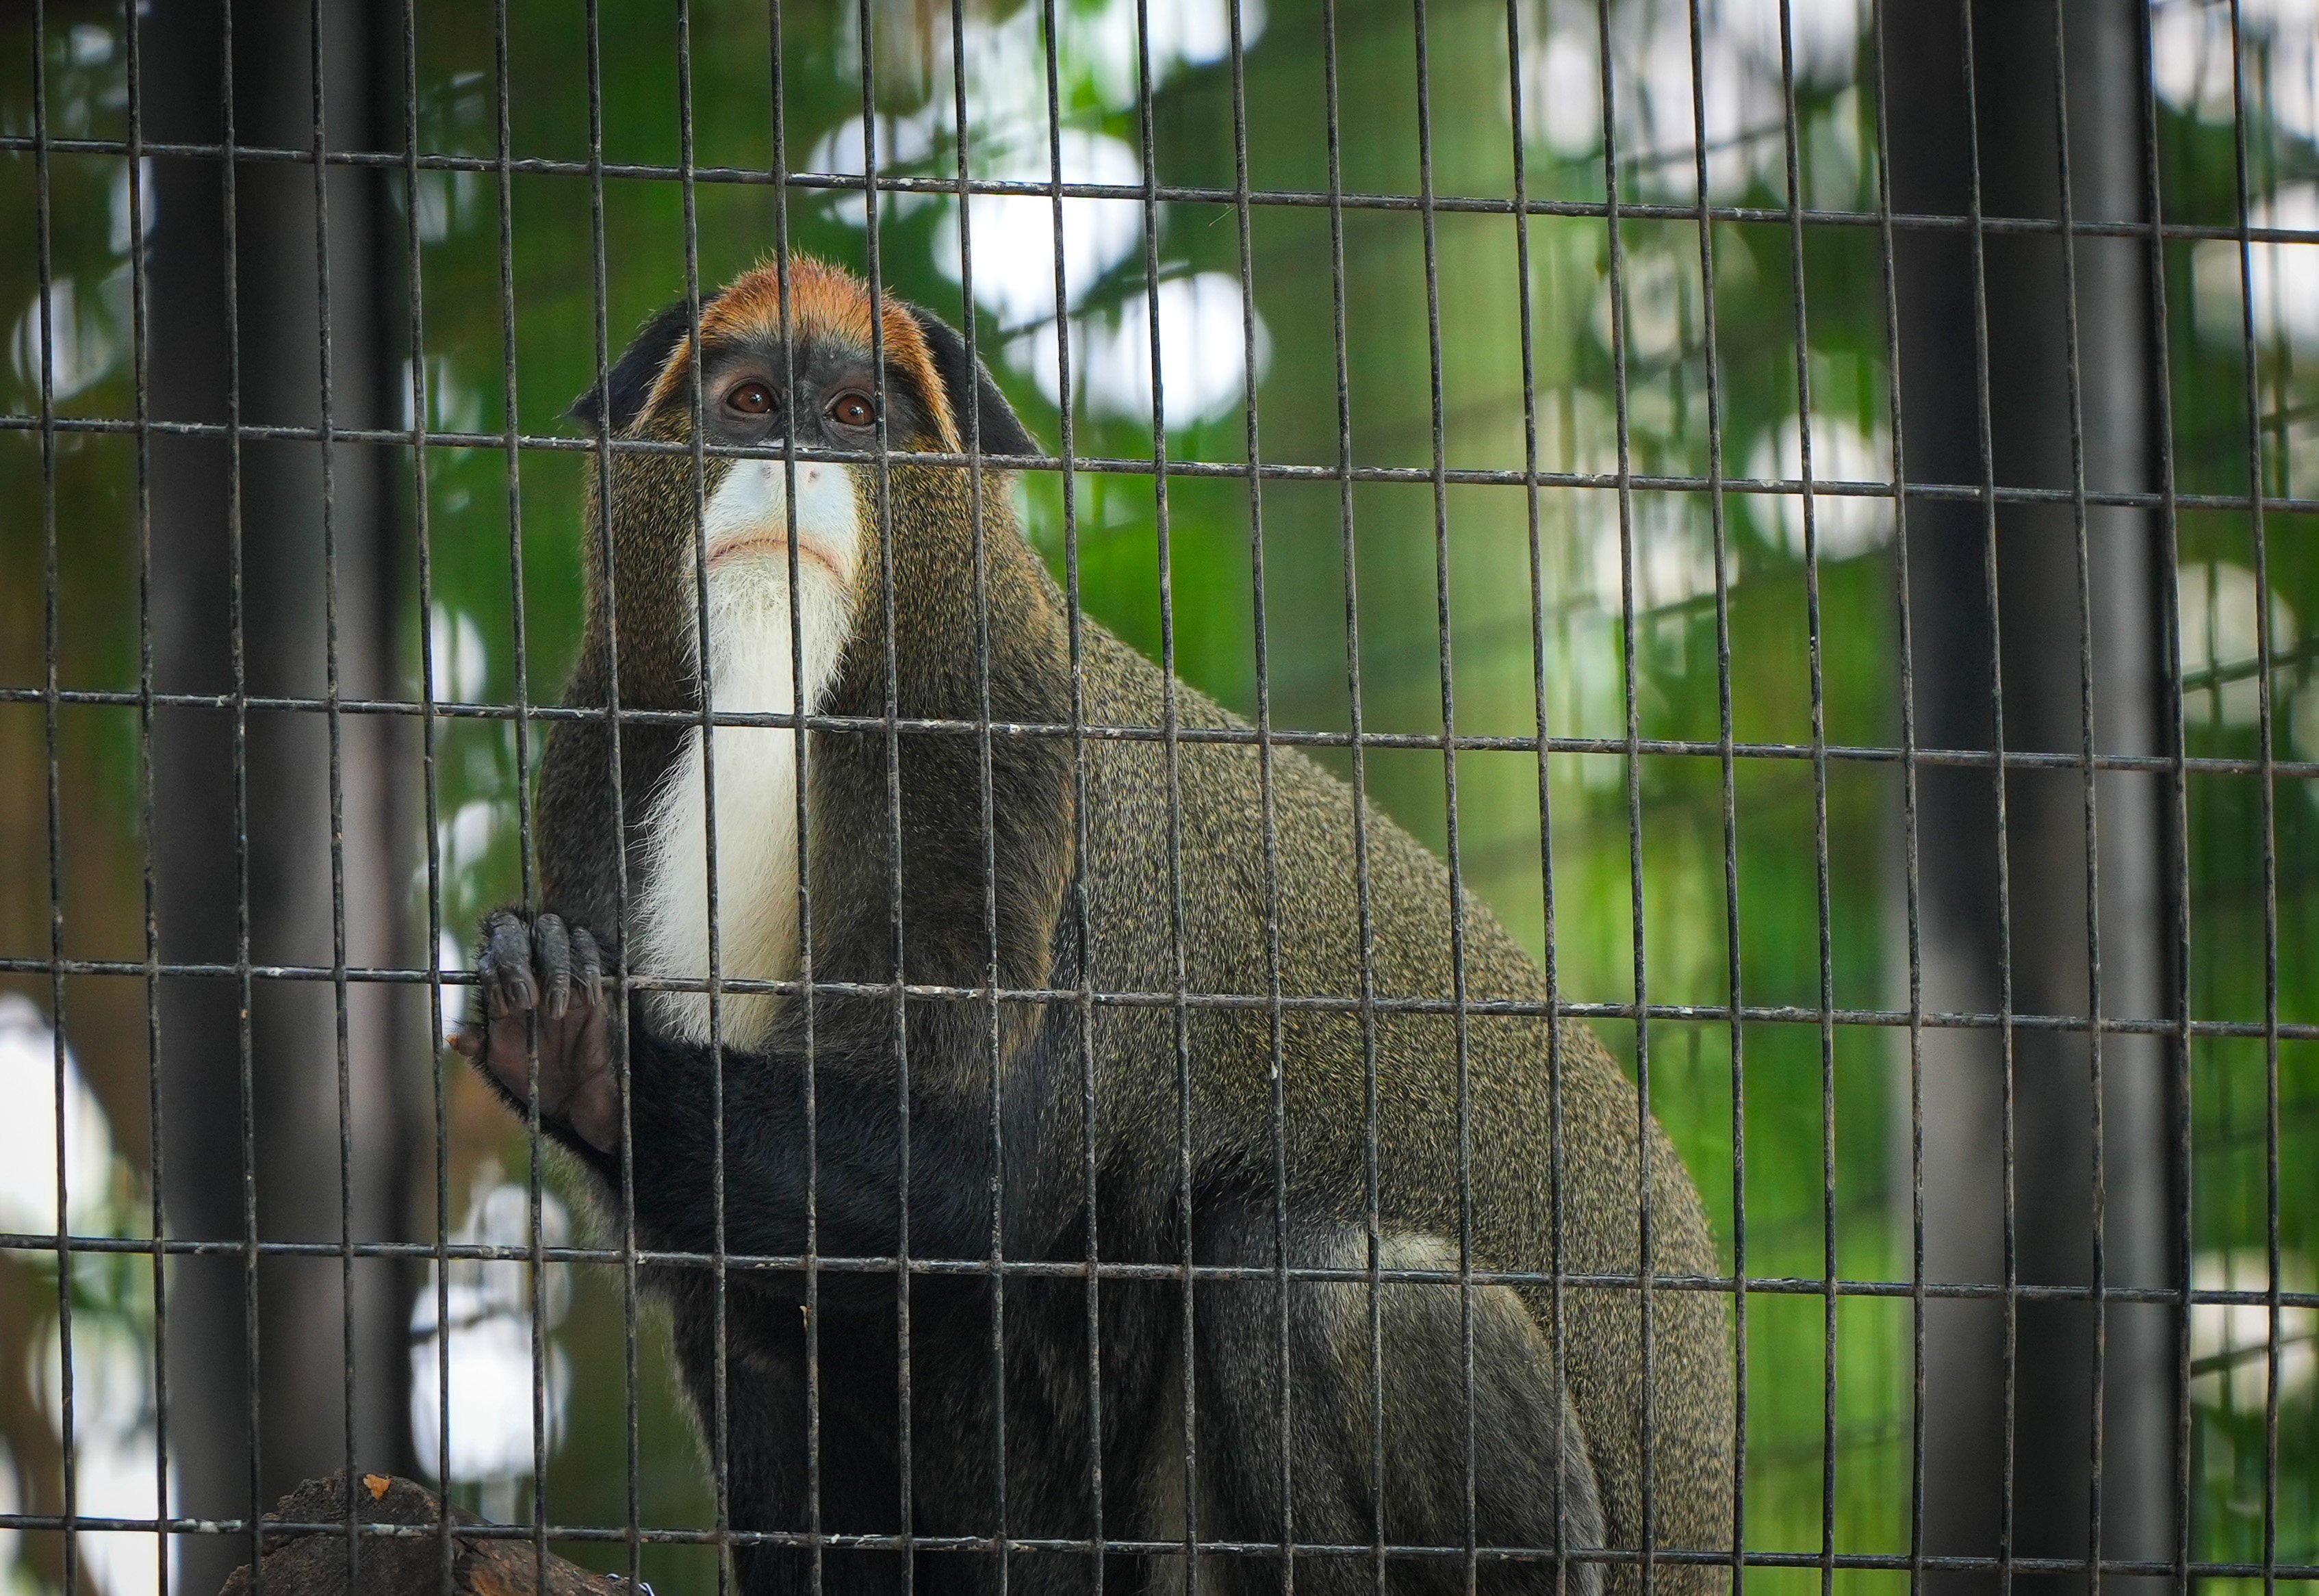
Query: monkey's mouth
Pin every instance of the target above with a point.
(774, 546)
(750, 524)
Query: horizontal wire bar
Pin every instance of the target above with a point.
(1315, 1003)
(1300, 198)
(1102, 464)
(887, 1265)
(1238, 736)
(1267, 1549)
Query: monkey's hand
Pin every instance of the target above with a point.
(538, 968)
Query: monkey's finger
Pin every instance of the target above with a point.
(587, 965)
(505, 967)
(551, 959)
(466, 1039)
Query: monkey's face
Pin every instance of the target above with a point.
(820, 391)
(796, 362)
(748, 532)
(829, 401)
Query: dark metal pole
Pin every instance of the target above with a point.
(2013, 1181)
(245, 818)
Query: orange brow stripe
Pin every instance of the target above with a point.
(825, 302)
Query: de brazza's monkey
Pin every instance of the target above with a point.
(1169, 1424)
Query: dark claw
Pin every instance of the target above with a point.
(551, 951)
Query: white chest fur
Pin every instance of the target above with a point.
(752, 770)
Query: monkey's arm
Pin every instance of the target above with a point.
(856, 1167)
(540, 973)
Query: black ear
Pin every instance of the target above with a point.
(974, 398)
(630, 380)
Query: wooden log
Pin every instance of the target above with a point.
(309, 1561)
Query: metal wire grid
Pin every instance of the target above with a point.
(430, 712)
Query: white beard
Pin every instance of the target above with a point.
(754, 768)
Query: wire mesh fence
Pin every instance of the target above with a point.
(1802, 509)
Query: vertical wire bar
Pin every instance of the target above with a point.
(972, 426)
(1557, 1314)
(1275, 1015)
(1556, 1330)
(1911, 865)
(614, 776)
(815, 1558)
(332, 688)
(2178, 800)
(720, 1404)
(890, 709)
(238, 646)
(1357, 747)
(2267, 804)
(52, 733)
(1170, 719)
(140, 369)
(504, 156)
(1728, 775)
(1790, 147)
(2088, 797)
(1456, 904)
(1983, 408)
(1082, 840)
(423, 538)
(1632, 705)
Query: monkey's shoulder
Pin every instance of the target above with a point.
(1265, 842)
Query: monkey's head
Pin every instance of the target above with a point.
(910, 578)
(803, 367)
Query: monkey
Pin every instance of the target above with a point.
(1282, 1214)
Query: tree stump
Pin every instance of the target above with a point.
(314, 1562)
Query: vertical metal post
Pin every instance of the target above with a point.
(236, 337)
(2054, 901)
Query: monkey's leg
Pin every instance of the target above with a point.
(1057, 1415)
(1532, 1486)
(767, 1483)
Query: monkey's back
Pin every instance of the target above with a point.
(1511, 1092)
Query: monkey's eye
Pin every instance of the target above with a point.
(853, 409)
(751, 397)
